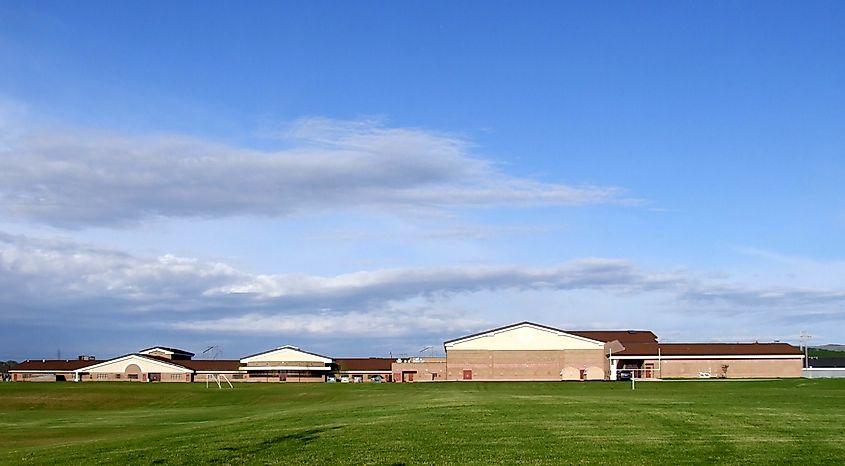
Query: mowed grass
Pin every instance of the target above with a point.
(768, 422)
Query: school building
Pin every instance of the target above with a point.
(524, 351)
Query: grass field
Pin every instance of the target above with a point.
(773, 422)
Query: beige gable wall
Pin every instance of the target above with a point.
(284, 355)
(525, 338)
(527, 365)
(146, 366)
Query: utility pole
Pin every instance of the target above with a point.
(805, 338)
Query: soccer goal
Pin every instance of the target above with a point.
(217, 378)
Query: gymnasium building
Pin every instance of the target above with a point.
(523, 351)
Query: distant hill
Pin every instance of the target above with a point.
(831, 347)
(827, 351)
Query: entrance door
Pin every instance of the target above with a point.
(155, 376)
(467, 374)
(648, 369)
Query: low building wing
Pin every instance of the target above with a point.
(709, 349)
(51, 365)
(364, 364)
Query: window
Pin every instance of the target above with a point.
(237, 376)
(117, 376)
(102, 376)
(175, 376)
(132, 376)
(264, 374)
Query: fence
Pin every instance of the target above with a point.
(823, 372)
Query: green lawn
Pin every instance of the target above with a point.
(772, 422)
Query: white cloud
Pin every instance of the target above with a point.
(391, 321)
(75, 178)
(57, 281)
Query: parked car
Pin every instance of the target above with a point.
(624, 375)
(344, 380)
(330, 380)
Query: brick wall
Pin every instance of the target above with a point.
(527, 365)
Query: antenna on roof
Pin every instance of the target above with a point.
(212, 352)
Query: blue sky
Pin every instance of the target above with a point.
(373, 178)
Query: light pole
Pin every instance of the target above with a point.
(805, 338)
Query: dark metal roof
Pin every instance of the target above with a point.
(167, 348)
(827, 362)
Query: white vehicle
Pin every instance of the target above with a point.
(344, 380)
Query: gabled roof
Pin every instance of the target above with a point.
(168, 350)
(364, 364)
(288, 347)
(532, 324)
(52, 365)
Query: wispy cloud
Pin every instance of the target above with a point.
(75, 178)
(63, 280)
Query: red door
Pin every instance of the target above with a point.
(467, 374)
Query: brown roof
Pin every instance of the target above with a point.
(53, 365)
(630, 336)
(709, 349)
(637, 349)
(200, 364)
(209, 364)
(364, 364)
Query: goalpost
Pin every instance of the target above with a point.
(217, 378)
